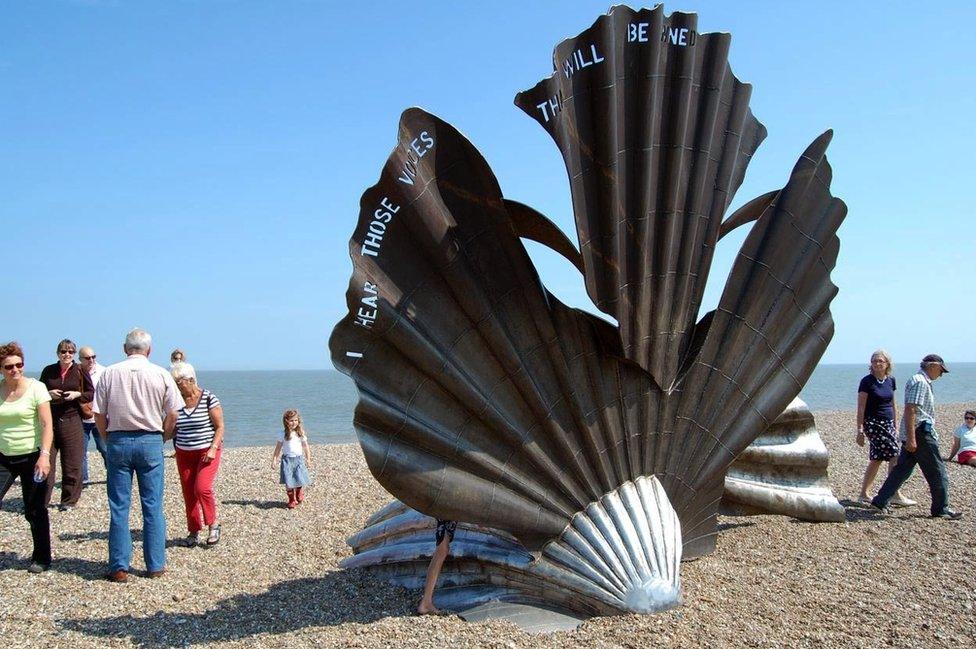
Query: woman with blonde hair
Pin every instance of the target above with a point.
(877, 420)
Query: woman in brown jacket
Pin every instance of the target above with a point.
(70, 387)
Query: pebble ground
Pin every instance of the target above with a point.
(274, 580)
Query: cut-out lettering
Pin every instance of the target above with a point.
(373, 238)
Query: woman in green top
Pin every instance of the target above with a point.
(26, 435)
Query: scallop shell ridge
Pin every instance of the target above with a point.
(624, 549)
(656, 133)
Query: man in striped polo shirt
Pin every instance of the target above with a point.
(920, 442)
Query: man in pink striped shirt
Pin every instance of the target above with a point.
(135, 409)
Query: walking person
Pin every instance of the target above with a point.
(199, 441)
(26, 439)
(89, 364)
(296, 457)
(920, 442)
(136, 403)
(877, 419)
(69, 386)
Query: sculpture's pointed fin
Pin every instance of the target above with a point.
(533, 225)
(482, 397)
(771, 326)
(656, 134)
(748, 212)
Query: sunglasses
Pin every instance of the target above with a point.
(966, 417)
(66, 351)
(10, 366)
(88, 358)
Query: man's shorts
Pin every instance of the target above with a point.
(445, 527)
(966, 456)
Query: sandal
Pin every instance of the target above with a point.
(214, 537)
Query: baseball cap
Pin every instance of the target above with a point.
(935, 358)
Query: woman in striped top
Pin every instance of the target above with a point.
(198, 442)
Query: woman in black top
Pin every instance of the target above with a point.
(69, 387)
(877, 420)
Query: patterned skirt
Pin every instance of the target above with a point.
(294, 471)
(881, 434)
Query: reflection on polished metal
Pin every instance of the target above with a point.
(484, 399)
(784, 472)
(621, 554)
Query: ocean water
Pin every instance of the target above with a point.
(254, 401)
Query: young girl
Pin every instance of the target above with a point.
(292, 447)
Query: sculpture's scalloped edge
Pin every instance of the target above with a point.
(621, 554)
(784, 472)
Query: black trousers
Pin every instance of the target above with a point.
(35, 509)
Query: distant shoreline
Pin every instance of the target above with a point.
(817, 414)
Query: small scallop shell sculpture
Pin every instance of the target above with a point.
(601, 450)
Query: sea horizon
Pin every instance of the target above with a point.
(254, 400)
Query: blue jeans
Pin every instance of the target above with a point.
(91, 431)
(929, 459)
(138, 452)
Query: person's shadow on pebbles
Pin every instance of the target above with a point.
(335, 598)
(260, 504)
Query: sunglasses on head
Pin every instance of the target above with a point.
(10, 366)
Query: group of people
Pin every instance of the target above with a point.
(917, 442)
(130, 409)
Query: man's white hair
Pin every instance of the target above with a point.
(137, 340)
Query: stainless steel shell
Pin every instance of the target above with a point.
(621, 554)
(754, 353)
(482, 398)
(784, 472)
(624, 550)
(656, 133)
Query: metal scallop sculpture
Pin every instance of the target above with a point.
(600, 451)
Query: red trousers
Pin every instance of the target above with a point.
(197, 478)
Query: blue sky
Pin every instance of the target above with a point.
(195, 168)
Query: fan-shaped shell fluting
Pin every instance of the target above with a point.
(625, 549)
(784, 471)
(620, 554)
(656, 133)
(482, 398)
(761, 344)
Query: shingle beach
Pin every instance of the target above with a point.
(274, 578)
